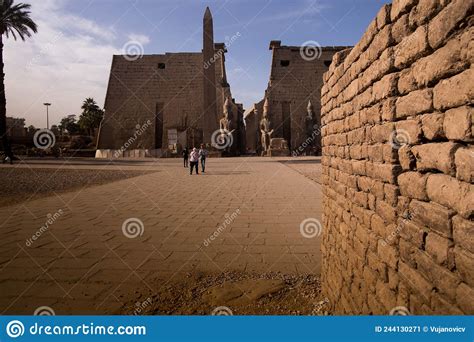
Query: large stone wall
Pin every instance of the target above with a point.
(136, 87)
(398, 164)
(295, 78)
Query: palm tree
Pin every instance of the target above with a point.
(15, 21)
(91, 116)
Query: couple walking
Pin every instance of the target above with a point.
(194, 158)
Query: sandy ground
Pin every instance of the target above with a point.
(230, 293)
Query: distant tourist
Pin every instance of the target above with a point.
(194, 161)
(185, 156)
(203, 155)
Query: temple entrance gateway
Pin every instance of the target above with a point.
(286, 120)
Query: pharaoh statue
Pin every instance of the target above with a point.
(309, 120)
(266, 129)
(225, 124)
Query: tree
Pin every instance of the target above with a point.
(55, 130)
(69, 124)
(31, 129)
(15, 21)
(91, 116)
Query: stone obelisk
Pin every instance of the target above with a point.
(209, 71)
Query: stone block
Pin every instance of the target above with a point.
(446, 61)
(415, 281)
(413, 185)
(465, 265)
(406, 250)
(411, 48)
(388, 109)
(386, 211)
(381, 41)
(408, 131)
(390, 154)
(406, 81)
(446, 21)
(458, 123)
(465, 298)
(455, 91)
(406, 158)
(463, 233)
(391, 193)
(464, 160)
(399, 7)
(436, 156)
(373, 114)
(385, 172)
(432, 126)
(401, 29)
(384, 88)
(412, 233)
(423, 12)
(438, 246)
(445, 281)
(378, 225)
(441, 306)
(386, 296)
(416, 102)
(383, 16)
(387, 254)
(433, 216)
(381, 133)
(451, 193)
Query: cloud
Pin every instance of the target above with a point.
(68, 60)
(140, 38)
(236, 71)
(308, 10)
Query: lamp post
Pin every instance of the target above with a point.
(47, 113)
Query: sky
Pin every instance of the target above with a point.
(70, 57)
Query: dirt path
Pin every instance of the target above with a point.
(230, 293)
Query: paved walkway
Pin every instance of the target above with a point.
(103, 242)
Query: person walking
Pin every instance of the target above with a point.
(185, 156)
(203, 155)
(194, 161)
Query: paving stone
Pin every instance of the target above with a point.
(87, 256)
